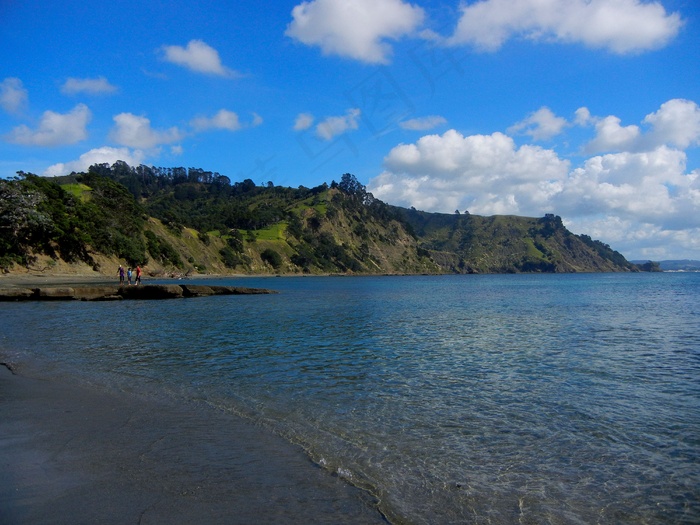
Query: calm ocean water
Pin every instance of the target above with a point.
(454, 399)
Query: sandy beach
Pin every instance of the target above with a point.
(75, 453)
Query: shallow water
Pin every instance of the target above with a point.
(453, 399)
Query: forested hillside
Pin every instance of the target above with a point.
(180, 221)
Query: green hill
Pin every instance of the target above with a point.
(180, 221)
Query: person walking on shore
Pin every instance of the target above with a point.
(120, 272)
(138, 274)
(128, 275)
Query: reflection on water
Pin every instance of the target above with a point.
(478, 399)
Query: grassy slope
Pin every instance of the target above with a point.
(361, 239)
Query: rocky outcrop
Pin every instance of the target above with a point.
(112, 292)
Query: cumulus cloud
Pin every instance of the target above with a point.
(96, 156)
(13, 95)
(136, 132)
(199, 57)
(543, 124)
(91, 86)
(423, 123)
(54, 129)
(224, 119)
(649, 187)
(334, 126)
(611, 136)
(676, 123)
(486, 174)
(619, 26)
(357, 29)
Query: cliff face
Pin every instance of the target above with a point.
(510, 244)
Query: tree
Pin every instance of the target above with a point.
(351, 186)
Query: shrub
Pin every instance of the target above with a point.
(271, 257)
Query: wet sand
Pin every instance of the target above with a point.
(75, 453)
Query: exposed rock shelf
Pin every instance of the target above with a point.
(113, 292)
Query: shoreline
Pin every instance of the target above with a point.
(26, 280)
(73, 453)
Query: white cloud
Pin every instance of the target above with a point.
(650, 187)
(356, 29)
(224, 119)
(583, 117)
(55, 129)
(620, 26)
(676, 122)
(136, 132)
(13, 95)
(485, 174)
(543, 124)
(611, 136)
(303, 121)
(423, 123)
(334, 126)
(91, 86)
(96, 156)
(199, 57)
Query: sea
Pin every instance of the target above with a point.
(560, 399)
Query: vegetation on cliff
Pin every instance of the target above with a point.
(191, 220)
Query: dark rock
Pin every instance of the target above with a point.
(196, 290)
(97, 293)
(151, 291)
(113, 292)
(16, 294)
(55, 294)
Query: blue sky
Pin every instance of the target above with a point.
(587, 109)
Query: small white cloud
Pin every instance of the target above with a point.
(55, 129)
(543, 124)
(303, 121)
(96, 156)
(356, 29)
(620, 26)
(199, 57)
(611, 136)
(676, 122)
(224, 119)
(423, 123)
(13, 95)
(91, 86)
(583, 117)
(257, 121)
(136, 132)
(334, 126)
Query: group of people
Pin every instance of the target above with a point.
(129, 274)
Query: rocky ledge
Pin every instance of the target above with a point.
(113, 292)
